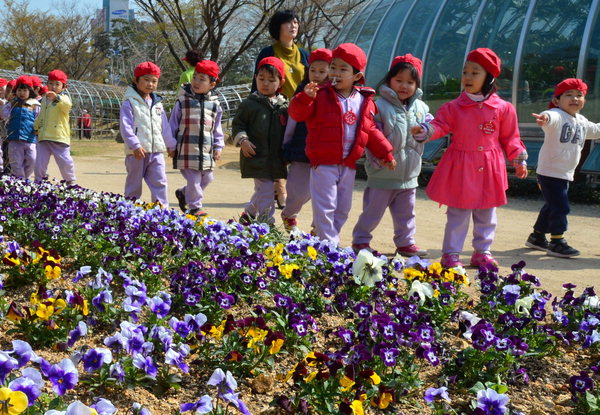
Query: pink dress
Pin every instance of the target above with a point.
(472, 171)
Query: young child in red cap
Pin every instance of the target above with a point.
(399, 108)
(54, 131)
(196, 124)
(294, 145)
(339, 116)
(565, 132)
(258, 128)
(471, 177)
(146, 135)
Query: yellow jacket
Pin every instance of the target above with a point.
(53, 122)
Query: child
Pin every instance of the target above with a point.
(294, 144)
(471, 177)
(21, 113)
(565, 131)
(196, 123)
(399, 108)
(339, 116)
(54, 132)
(258, 128)
(3, 86)
(146, 134)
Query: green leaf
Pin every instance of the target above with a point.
(477, 387)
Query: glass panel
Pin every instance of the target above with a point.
(551, 51)
(380, 55)
(366, 35)
(413, 37)
(499, 29)
(446, 52)
(591, 75)
(354, 26)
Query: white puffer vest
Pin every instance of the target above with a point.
(147, 122)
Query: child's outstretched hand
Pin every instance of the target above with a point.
(311, 89)
(541, 120)
(417, 129)
(248, 148)
(51, 95)
(521, 171)
(217, 155)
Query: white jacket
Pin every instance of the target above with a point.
(147, 122)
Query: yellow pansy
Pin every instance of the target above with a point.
(411, 274)
(385, 400)
(357, 408)
(346, 384)
(12, 402)
(276, 346)
(217, 331)
(311, 376)
(436, 268)
(287, 269)
(375, 379)
(59, 306)
(311, 359)
(15, 261)
(311, 252)
(33, 298)
(436, 293)
(52, 272)
(44, 312)
(257, 335)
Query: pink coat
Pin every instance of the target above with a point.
(472, 171)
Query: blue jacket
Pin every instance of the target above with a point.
(20, 122)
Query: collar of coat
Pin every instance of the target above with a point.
(492, 101)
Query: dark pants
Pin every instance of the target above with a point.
(553, 215)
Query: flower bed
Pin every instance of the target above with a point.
(153, 310)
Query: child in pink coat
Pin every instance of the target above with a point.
(471, 177)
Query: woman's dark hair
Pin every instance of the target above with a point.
(32, 93)
(399, 67)
(280, 17)
(270, 69)
(193, 56)
(489, 85)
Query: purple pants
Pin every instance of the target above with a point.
(262, 204)
(62, 156)
(402, 207)
(298, 188)
(152, 170)
(331, 192)
(22, 158)
(197, 180)
(457, 226)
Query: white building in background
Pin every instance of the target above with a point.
(112, 11)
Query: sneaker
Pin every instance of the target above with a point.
(411, 250)
(197, 212)
(483, 259)
(181, 199)
(561, 249)
(537, 241)
(451, 260)
(359, 247)
(290, 224)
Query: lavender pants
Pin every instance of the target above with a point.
(457, 226)
(331, 192)
(261, 204)
(21, 155)
(152, 170)
(62, 156)
(298, 188)
(402, 207)
(197, 180)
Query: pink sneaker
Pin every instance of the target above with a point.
(411, 250)
(290, 224)
(482, 259)
(358, 247)
(451, 260)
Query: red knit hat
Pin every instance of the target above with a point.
(208, 67)
(567, 85)
(408, 58)
(12, 84)
(3, 82)
(58, 75)
(273, 61)
(321, 54)
(487, 58)
(43, 90)
(146, 68)
(24, 80)
(37, 82)
(353, 56)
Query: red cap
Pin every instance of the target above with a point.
(273, 61)
(408, 58)
(353, 56)
(43, 90)
(567, 85)
(146, 68)
(321, 54)
(3, 82)
(24, 80)
(58, 75)
(12, 84)
(208, 67)
(37, 82)
(487, 58)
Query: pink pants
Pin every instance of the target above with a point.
(331, 192)
(152, 170)
(62, 156)
(298, 188)
(197, 180)
(457, 227)
(21, 155)
(262, 205)
(402, 208)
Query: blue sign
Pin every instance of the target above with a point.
(118, 12)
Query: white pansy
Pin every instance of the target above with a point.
(422, 289)
(367, 268)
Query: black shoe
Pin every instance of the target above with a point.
(537, 241)
(180, 198)
(197, 212)
(560, 248)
